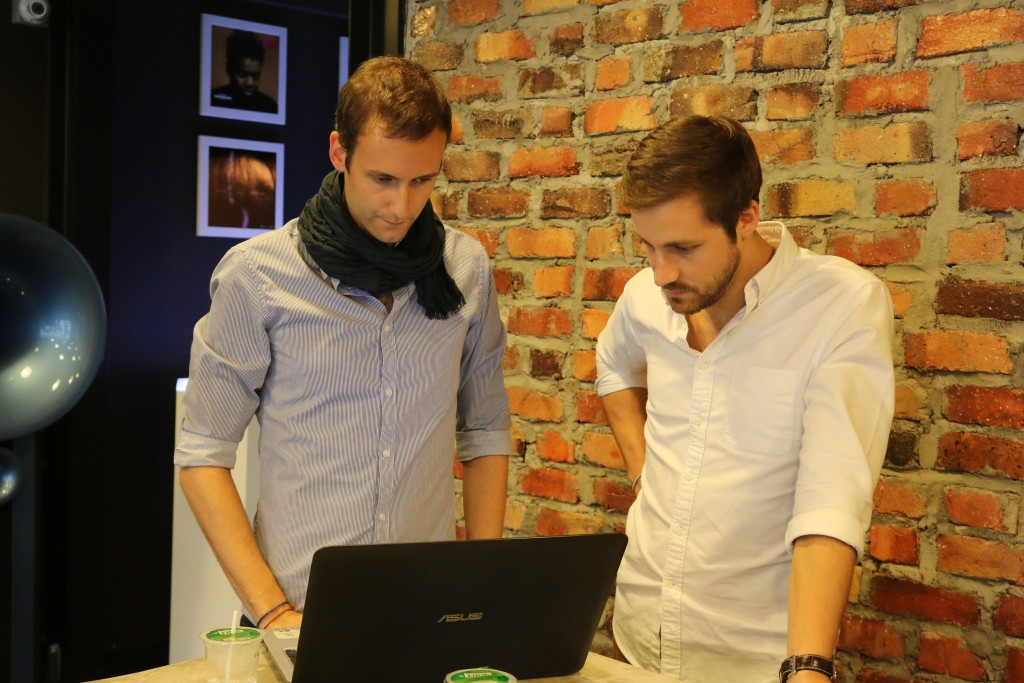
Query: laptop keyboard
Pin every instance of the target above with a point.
(291, 652)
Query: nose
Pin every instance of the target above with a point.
(399, 202)
(664, 272)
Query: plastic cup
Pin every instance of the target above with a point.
(232, 654)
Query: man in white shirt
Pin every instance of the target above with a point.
(750, 388)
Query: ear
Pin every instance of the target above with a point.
(337, 152)
(749, 218)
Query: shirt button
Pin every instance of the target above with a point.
(678, 531)
(703, 365)
(388, 392)
(387, 453)
(380, 516)
(689, 476)
(387, 327)
(697, 421)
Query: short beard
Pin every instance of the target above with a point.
(709, 296)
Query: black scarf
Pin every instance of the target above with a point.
(346, 252)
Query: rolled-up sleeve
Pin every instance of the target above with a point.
(620, 359)
(230, 357)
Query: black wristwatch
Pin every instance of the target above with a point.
(794, 663)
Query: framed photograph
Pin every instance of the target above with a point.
(243, 70)
(240, 188)
(342, 61)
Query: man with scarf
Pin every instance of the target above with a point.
(365, 337)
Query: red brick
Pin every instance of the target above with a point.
(423, 22)
(896, 498)
(471, 12)
(539, 322)
(566, 39)
(510, 359)
(905, 197)
(466, 89)
(589, 408)
(797, 10)
(980, 299)
(793, 101)
(958, 351)
(869, 675)
(992, 189)
(508, 282)
(698, 15)
(446, 204)
(778, 51)
(619, 115)
(585, 202)
(548, 162)
(895, 143)
(785, 146)
(584, 365)
(506, 45)
(497, 202)
(735, 101)
(894, 544)
(982, 454)
(1000, 83)
(501, 125)
(985, 243)
(488, 239)
(951, 656)
(437, 55)
(603, 450)
(901, 452)
(869, 43)
(905, 91)
(629, 26)
(563, 80)
(870, 637)
(991, 406)
(910, 402)
(542, 6)
(604, 242)
(546, 363)
(1014, 665)
(811, 198)
(902, 298)
(980, 558)
(901, 596)
(553, 281)
(950, 34)
(559, 523)
(1008, 616)
(993, 138)
(865, 6)
(556, 121)
(471, 165)
(612, 73)
(594, 322)
(679, 61)
(982, 509)
(606, 283)
(547, 482)
(551, 446)
(458, 131)
(541, 243)
(612, 495)
(879, 249)
(534, 405)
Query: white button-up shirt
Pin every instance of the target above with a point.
(775, 431)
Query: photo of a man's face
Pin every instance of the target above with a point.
(243, 70)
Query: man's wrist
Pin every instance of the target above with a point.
(797, 669)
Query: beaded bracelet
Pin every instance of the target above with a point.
(270, 611)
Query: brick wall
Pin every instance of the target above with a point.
(890, 134)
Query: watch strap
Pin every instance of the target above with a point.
(794, 663)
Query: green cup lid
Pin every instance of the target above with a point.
(232, 635)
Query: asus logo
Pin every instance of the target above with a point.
(449, 618)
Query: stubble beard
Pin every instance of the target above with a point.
(708, 296)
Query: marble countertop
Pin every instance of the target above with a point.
(598, 669)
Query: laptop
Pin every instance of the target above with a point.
(418, 611)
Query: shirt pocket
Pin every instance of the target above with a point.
(760, 410)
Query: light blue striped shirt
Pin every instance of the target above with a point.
(359, 409)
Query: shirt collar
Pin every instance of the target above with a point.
(771, 276)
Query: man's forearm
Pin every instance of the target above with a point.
(818, 587)
(215, 502)
(484, 486)
(627, 415)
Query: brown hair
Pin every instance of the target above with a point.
(398, 94)
(711, 157)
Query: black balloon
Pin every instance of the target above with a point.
(52, 326)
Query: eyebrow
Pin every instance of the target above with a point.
(385, 174)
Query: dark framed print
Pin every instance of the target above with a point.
(240, 187)
(243, 70)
